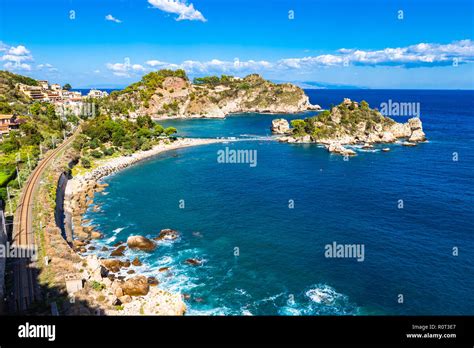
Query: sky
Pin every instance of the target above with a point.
(417, 44)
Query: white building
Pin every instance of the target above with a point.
(43, 84)
(95, 93)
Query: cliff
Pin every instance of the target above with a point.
(349, 123)
(170, 94)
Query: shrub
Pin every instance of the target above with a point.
(170, 130)
(97, 286)
(86, 163)
(146, 146)
(96, 154)
(109, 151)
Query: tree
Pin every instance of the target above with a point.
(67, 87)
(298, 126)
(170, 130)
(31, 134)
(158, 129)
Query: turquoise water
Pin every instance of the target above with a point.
(281, 267)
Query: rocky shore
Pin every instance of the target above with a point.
(114, 282)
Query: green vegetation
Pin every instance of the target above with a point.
(67, 87)
(105, 136)
(214, 80)
(38, 132)
(97, 286)
(346, 118)
(11, 99)
(40, 128)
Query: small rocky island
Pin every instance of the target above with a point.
(170, 94)
(349, 123)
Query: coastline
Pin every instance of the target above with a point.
(225, 115)
(78, 197)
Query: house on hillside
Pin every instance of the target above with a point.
(8, 123)
(43, 84)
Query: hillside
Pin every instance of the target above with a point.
(10, 94)
(169, 94)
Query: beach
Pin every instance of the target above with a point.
(79, 196)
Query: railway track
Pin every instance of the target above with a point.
(25, 273)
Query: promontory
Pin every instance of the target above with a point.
(170, 94)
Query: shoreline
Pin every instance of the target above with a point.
(194, 117)
(79, 195)
(115, 164)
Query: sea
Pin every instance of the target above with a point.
(268, 235)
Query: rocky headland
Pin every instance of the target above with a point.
(170, 94)
(349, 123)
(114, 282)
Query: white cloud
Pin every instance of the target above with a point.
(16, 57)
(138, 67)
(111, 18)
(419, 55)
(46, 67)
(180, 7)
(155, 63)
(17, 66)
(18, 51)
(213, 66)
(422, 54)
(125, 69)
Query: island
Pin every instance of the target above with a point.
(349, 123)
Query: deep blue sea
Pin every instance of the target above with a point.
(263, 258)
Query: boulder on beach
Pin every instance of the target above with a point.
(140, 243)
(125, 299)
(152, 281)
(78, 243)
(119, 251)
(113, 265)
(96, 235)
(136, 286)
(136, 262)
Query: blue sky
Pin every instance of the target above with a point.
(362, 43)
